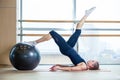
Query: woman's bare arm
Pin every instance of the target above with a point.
(79, 67)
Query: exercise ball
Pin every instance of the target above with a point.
(24, 56)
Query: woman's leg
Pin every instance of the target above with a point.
(73, 39)
(62, 44)
(87, 13)
(66, 49)
(45, 37)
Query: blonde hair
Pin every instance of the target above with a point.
(95, 66)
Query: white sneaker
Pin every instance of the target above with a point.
(31, 43)
(89, 11)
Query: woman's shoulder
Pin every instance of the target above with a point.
(82, 65)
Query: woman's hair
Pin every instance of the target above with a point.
(95, 66)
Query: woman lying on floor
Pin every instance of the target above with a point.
(66, 48)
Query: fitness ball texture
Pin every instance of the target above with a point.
(24, 56)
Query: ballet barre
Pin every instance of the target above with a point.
(82, 35)
(71, 21)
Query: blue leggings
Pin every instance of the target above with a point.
(66, 48)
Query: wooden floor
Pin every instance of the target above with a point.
(107, 72)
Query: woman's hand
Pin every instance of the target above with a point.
(55, 68)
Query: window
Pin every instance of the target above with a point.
(46, 10)
(100, 35)
(102, 48)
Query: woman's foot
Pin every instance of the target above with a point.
(89, 11)
(33, 43)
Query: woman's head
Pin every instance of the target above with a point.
(92, 65)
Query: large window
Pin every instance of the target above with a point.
(45, 10)
(100, 35)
